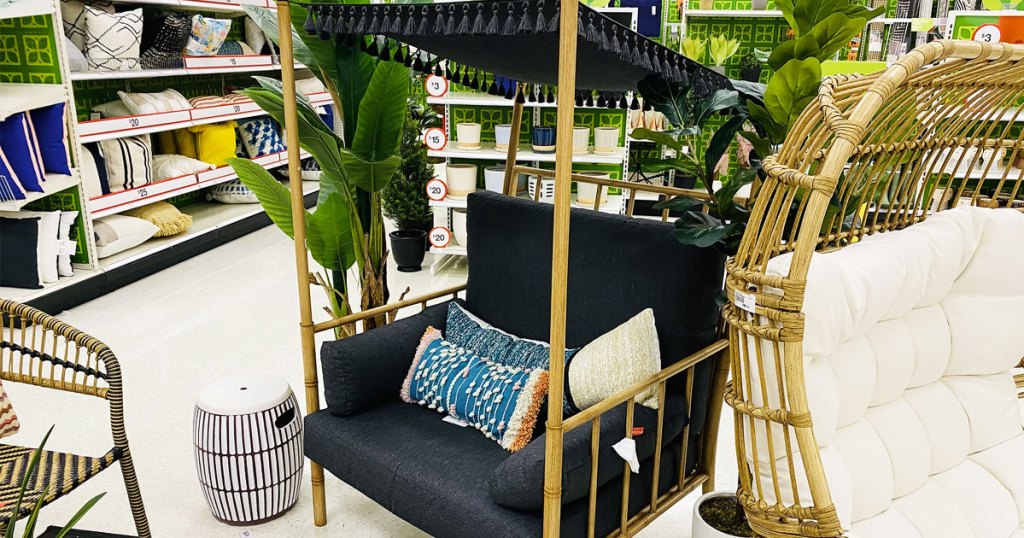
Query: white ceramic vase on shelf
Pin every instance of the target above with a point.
(547, 190)
(580, 140)
(461, 180)
(468, 136)
(502, 133)
(494, 178)
(441, 171)
(459, 231)
(587, 192)
(606, 140)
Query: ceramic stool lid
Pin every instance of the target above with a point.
(243, 394)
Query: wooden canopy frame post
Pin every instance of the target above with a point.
(291, 126)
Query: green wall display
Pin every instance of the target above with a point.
(752, 32)
(488, 117)
(28, 53)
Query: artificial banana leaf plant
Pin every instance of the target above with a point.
(370, 96)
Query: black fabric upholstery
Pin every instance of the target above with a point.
(368, 368)
(518, 482)
(434, 474)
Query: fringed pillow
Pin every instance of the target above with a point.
(167, 218)
(501, 401)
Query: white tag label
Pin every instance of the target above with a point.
(456, 421)
(626, 449)
(745, 301)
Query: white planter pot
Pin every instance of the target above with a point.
(468, 135)
(606, 140)
(459, 230)
(580, 140)
(702, 529)
(587, 192)
(461, 180)
(494, 178)
(501, 136)
(441, 171)
(547, 190)
(521, 182)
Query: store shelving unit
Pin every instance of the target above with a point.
(488, 153)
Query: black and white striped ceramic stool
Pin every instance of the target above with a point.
(247, 432)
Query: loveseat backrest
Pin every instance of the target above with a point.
(618, 266)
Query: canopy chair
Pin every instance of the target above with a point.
(430, 487)
(876, 307)
(40, 350)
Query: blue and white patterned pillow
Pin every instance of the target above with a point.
(501, 401)
(466, 330)
(260, 137)
(10, 187)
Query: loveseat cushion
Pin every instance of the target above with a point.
(367, 369)
(518, 482)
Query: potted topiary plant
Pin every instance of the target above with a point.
(750, 68)
(404, 200)
(722, 48)
(719, 514)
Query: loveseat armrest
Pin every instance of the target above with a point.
(366, 369)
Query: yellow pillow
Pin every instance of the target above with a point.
(186, 143)
(215, 143)
(166, 143)
(164, 216)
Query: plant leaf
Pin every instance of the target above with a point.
(749, 90)
(791, 88)
(273, 196)
(800, 48)
(662, 138)
(381, 114)
(718, 101)
(763, 120)
(681, 203)
(355, 69)
(724, 197)
(330, 236)
(762, 146)
(720, 142)
(786, 6)
(370, 176)
(862, 12)
(671, 99)
(79, 515)
(834, 32)
(808, 13)
(687, 165)
(699, 229)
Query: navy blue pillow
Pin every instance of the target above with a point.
(101, 165)
(10, 187)
(19, 265)
(51, 132)
(19, 145)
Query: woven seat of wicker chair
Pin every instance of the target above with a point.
(58, 473)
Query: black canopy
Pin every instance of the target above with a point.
(519, 40)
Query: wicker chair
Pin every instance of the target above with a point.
(40, 350)
(870, 154)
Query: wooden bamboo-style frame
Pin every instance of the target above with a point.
(555, 426)
(870, 154)
(40, 350)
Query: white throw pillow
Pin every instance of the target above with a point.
(67, 246)
(49, 244)
(113, 109)
(254, 36)
(168, 166)
(76, 58)
(73, 14)
(118, 233)
(616, 360)
(129, 162)
(151, 103)
(310, 85)
(90, 173)
(113, 39)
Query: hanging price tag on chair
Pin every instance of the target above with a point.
(436, 86)
(440, 237)
(435, 138)
(745, 301)
(437, 190)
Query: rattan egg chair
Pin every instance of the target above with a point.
(870, 155)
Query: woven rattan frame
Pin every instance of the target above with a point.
(881, 150)
(40, 350)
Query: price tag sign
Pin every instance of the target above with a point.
(440, 237)
(745, 301)
(987, 33)
(922, 24)
(436, 86)
(437, 190)
(435, 138)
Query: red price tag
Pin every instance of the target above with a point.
(440, 237)
(435, 138)
(436, 86)
(437, 190)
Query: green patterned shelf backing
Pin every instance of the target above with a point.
(67, 200)
(752, 32)
(488, 117)
(89, 93)
(736, 5)
(591, 117)
(28, 51)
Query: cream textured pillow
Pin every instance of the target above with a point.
(150, 103)
(118, 233)
(168, 166)
(113, 40)
(73, 14)
(614, 361)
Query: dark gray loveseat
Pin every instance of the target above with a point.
(452, 481)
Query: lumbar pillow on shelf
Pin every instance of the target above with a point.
(10, 187)
(73, 14)
(167, 166)
(22, 151)
(129, 162)
(466, 330)
(207, 36)
(112, 40)
(164, 216)
(149, 103)
(309, 85)
(254, 36)
(50, 126)
(232, 192)
(94, 171)
(76, 58)
(112, 109)
(68, 247)
(48, 248)
(615, 361)
(164, 51)
(214, 143)
(260, 137)
(500, 401)
(217, 100)
(19, 244)
(118, 233)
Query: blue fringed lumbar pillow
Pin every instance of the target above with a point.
(466, 330)
(500, 401)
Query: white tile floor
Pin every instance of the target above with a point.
(230, 310)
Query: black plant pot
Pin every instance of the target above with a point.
(407, 247)
(426, 226)
(751, 74)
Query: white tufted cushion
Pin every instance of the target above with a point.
(909, 345)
